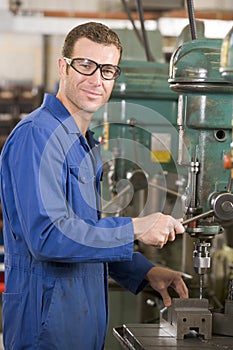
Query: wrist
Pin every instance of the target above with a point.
(136, 227)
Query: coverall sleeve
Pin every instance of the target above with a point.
(131, 274)
(35, 197)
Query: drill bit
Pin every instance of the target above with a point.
(201, 280)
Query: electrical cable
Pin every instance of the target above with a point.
(142, 38)
(127, 10)
(192, 21)
(144, 34)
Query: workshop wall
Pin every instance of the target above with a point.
(22, 54)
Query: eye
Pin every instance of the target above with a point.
(85, 65)
(109, 70)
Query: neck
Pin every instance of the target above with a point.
(82, 118)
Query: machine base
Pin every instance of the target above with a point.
(159, 337)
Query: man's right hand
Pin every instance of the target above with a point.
(156, 229)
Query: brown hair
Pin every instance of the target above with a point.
(97, 32)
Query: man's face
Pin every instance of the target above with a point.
(87, 93)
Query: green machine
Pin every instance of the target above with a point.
(226, 68)
(144, 84)
(138, 128)
(204, 121)
(205, 138)
(205, 104)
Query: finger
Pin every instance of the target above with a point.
(172, 236)
(159, 245)
(183, 290)
(180, 287)
(179, 228)
(166, 238)
(166, 297)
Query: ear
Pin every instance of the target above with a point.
(61, 67)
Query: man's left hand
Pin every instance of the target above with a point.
(161, 278)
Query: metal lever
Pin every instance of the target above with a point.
(197, 217)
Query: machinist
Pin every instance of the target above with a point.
(59, 251)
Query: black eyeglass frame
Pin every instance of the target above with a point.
(99, 66)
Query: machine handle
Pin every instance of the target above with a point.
(197, 217)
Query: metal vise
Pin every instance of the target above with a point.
(187, 316)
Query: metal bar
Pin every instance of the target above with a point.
(197, 217)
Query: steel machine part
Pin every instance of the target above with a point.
(187, 315)
(201, 261)
(157, 337)
(186, 324)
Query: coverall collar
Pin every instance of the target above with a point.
(60, 112)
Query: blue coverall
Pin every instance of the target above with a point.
(58, 250)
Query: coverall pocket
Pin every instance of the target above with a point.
(73, 320)
(11, 310)
(82, 173)
(83, 187)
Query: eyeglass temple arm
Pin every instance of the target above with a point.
(68, 60)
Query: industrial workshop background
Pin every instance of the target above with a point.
(171, 109)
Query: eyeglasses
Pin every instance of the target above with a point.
(88, 67)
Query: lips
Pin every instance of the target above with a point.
(92, 93)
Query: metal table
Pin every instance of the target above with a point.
(159, 337)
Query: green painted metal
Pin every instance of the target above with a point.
(133, 49)
(143, 109)
(226, 68)
(204, 116)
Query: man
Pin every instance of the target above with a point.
(58, 249)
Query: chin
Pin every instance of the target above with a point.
(93, 107)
